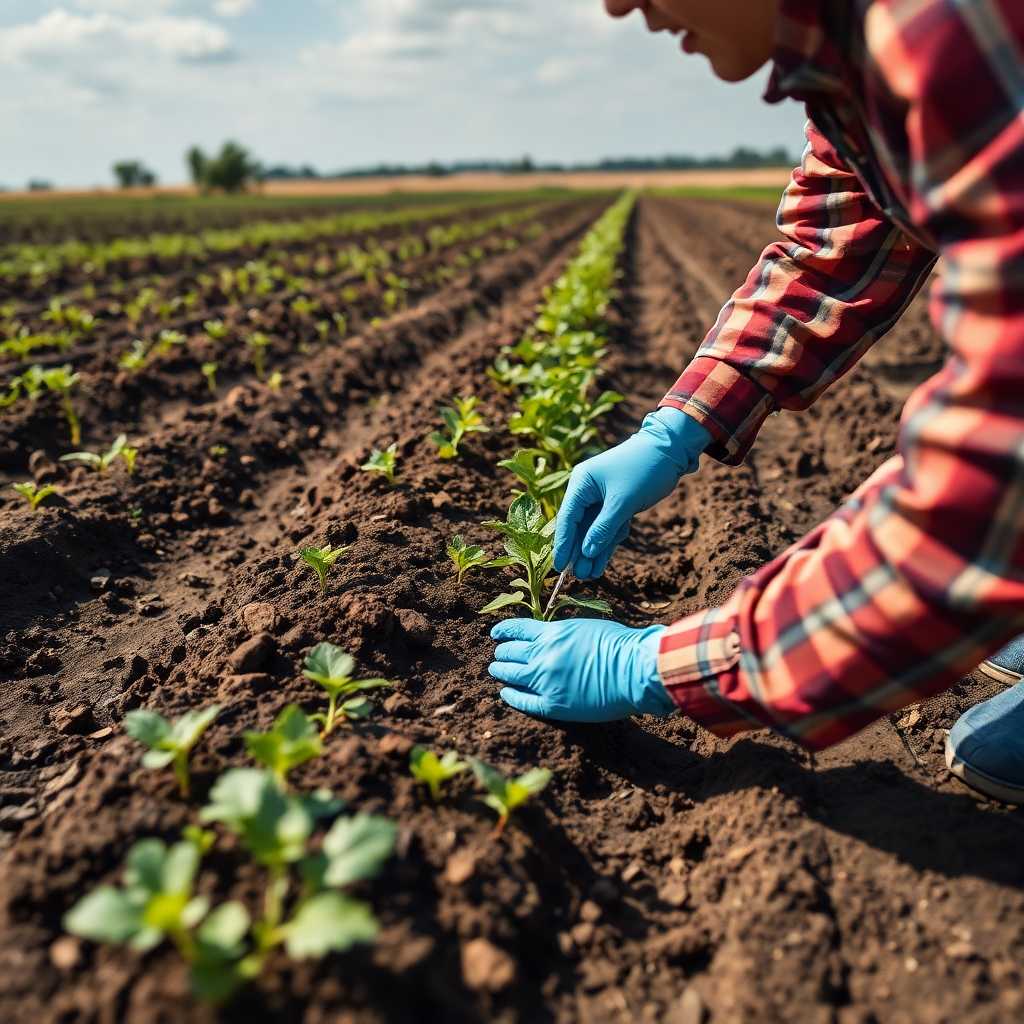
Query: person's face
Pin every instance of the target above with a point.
(737, 36)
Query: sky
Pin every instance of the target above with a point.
(350, 83)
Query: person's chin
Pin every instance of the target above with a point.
(730, 70)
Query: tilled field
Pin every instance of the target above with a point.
(662, 876)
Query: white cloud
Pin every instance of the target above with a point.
(232, 8)
(62, 33)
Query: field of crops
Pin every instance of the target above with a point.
(257, 454)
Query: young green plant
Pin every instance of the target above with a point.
(322, 560)
(120, 449)
(258, 343)
(529, 546)
(331, 668)
(383, 462)
(465, 556)
(33, 494)
(169, 742)
(433, 771)
(291, 742)
(62, 380)
(505, 795)
(461, 418)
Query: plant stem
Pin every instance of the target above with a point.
(332, 711)
(73, 422)
(181, 772)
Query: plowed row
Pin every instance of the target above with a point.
(664, 875)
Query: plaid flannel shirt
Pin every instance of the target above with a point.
(915, 150)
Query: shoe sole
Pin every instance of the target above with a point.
(999, 674)
(1005, 792)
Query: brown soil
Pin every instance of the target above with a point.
(663, 876)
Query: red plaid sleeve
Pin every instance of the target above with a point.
(921, 574)
(813, 305)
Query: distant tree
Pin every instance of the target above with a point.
(133, 174)
(231, 170)
(38, 185)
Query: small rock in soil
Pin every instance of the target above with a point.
(582, 933)
(253, 654)
(590, 911)
(689, 1009)
(441, 500)
(63, 780)
(65, 952)
(674, 892)
(43, 469)
(249, 682)
(260, 617)
(74, 721)
(100, 580)
(395, 743)
(400, 706)
(415, 626)
(485, 967)
(460, 867)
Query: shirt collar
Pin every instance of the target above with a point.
(807, 62)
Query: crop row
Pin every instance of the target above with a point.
(38, 264)
(311, 855)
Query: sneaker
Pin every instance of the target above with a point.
(1007, 666)
(985, 749)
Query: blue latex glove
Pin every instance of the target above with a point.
(605, 492)
(580, 670)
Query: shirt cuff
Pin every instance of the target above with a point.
(698, 657)
(730, 406)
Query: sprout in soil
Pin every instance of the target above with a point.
(321, 560)
(529, 546)
(332, 668)
(209, 372)
(34, 495)
(258, 343)
(275, 380)
(505, 795)
(157, 902)
(216, 330)
(62, 380)
(383, 462)
(547, 488)
(169, 742)
(101, 463)
(168, 341)
(136, 358)
(292, 741)
(465, 556)
(434, 771)
(461, 418)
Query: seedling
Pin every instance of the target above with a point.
(530, 546)
(34, 495)
(120, 449)
(505, 795)
(545, 487)
(321, 560)
(209, 372)
(62, 380)
(258, 343)
(332, 668)
(383, 462)
(461, 418)
(292, 741)
(275, 380)
(434, 771)
(168, 341)
(136, 358)
(216, 330)
(465, 556)
(170, 743)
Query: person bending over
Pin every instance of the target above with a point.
(915, 150)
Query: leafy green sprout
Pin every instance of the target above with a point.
(216, 330)
(331, 668)
(433, 771)
(383, 462)
(322, 560)
(532, 468)
(529, 546)
(505, 795)
(62, 380)
(170, 742)
(258, 343)
(293, 740)
(120, 449)
(460, 418)
(465, 556)
(135, 358)
(209, 372)
(33, 494)
(275, 380)
(168, 341)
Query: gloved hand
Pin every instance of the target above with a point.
(580, 670)
(605, 492)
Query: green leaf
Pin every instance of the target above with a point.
(144, 866)
(180, 868)
(489, 777)
(187, 730)
(157, 758)
(104, 915)
(357, 708)
(328, 923)
(329, 663)
(224, 930)
(293, 740)
(590, 604)
(147, 727)
(357, 847)
(503, 601)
